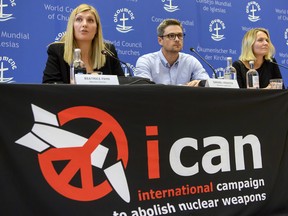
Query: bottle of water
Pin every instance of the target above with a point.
(77, 67)
(230, 72)
(252, 77)
(126, 71)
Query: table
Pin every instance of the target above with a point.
(142, 150)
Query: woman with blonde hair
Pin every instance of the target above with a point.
(257, 47)
(83, 31)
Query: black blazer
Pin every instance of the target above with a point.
(58, 71)
(266, 72)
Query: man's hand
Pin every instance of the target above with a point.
(193, 83)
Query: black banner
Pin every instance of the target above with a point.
(144, 150)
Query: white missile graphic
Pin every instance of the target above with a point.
(46, 133)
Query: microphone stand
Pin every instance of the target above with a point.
(278, 64)
(194, 51)
(106, 53)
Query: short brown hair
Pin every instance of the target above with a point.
(165, 23)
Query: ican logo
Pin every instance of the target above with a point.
(286, 36)
(6, 16)
(81, 157)
(6, 63)
(216, 26)
(122, 17)
(170, 7)
(252, 8)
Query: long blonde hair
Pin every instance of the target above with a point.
(98, 60)
(248, 41)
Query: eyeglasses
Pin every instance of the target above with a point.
(172, 36)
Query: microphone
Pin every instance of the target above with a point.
(214, 72)
(278, 64)
(106, 53)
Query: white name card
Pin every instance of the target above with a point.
(90, 79)
(221, 83)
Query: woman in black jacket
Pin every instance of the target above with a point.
(83, 31)
(257, 47)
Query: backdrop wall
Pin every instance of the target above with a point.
(213, 27)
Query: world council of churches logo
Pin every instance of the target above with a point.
(5, 59)
(215, 27)
(252, 8)
(286, 36)
(5, 16)
(4, 62)
(125, 15)
(59, 36)
(170, 7)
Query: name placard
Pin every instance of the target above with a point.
(90, 79)
(222, 83)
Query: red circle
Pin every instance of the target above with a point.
(79, 157)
